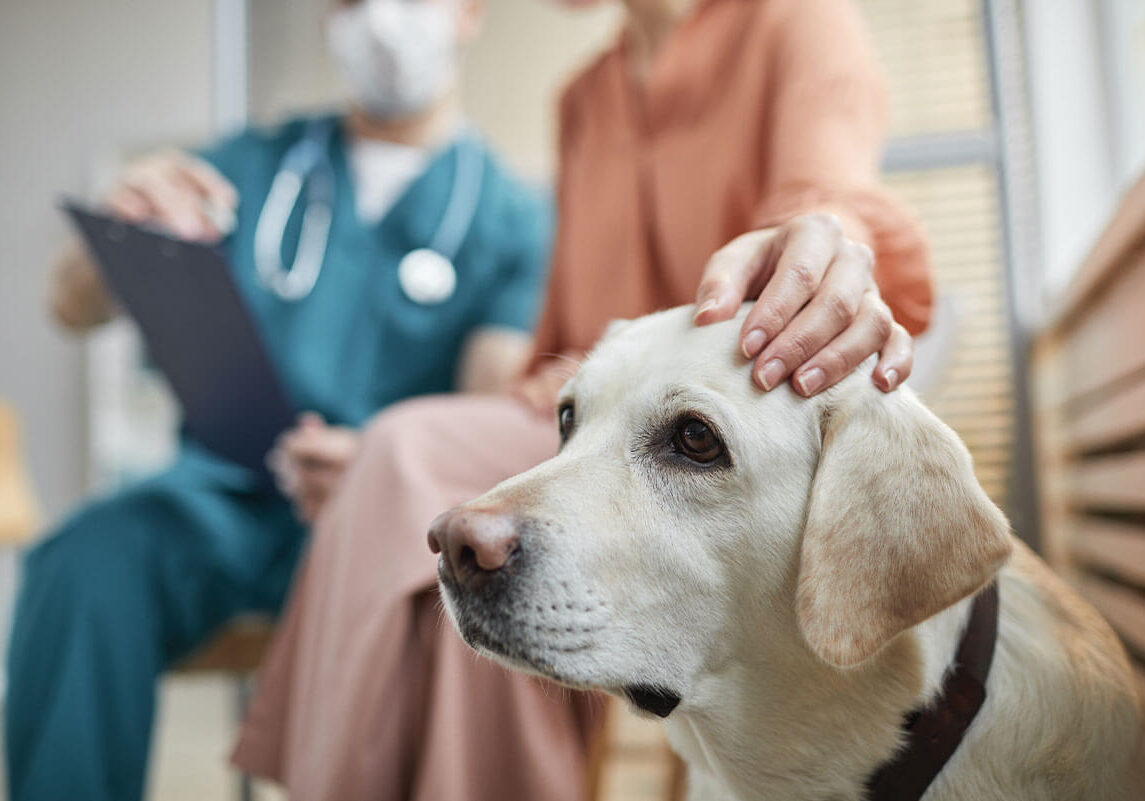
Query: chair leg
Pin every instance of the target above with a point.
(244, 688)
(678, 782)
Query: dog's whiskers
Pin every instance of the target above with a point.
(563, 357)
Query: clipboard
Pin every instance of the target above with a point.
(198, 331)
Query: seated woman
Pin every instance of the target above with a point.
(133, 581)
(751, 122)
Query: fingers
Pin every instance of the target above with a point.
(309, 461)
(818, 315)
(731, 273)
(175, 191)
(320, 445)
(832, 309)
(210, 181)
(870, 332)
(316, 487)
(284, 471)
(220, 198)
(895, 361)
(176, 201)
(811, 246)
(131, 205)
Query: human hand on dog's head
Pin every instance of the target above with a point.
(818, 313)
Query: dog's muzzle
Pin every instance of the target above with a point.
(488, 580)
(507, 600)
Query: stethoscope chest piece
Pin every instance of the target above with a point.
(427, 277)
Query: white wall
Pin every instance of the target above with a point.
(1067, 104)
(1087, 102)
(80, 79)
(1122, 25)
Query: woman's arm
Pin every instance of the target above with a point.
(839, 269)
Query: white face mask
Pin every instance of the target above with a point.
(398, 56)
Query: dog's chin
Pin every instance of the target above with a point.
(495, 633)
(650, 699)
(496, 629)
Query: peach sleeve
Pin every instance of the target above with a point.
(826, 123)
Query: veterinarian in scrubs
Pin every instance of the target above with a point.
(134, 581)
(750, 129)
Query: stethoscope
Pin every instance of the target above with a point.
(426, 275)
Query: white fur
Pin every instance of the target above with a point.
(715, 585)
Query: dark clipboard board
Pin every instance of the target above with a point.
(199, 332)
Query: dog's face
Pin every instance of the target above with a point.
(690, 522)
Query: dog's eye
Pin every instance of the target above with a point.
(696, 440)
(566, 417)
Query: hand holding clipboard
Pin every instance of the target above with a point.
(198, 331)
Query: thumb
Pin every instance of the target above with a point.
(730, 273)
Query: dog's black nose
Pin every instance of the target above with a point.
(474, 543)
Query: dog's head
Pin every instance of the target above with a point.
(689, 518)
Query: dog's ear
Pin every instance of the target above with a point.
(898, 528)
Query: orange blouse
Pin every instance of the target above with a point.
(753, 111)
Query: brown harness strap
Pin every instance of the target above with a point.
(934, 733)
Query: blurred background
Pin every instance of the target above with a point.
(1018, 128)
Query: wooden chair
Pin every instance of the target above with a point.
(235, 652)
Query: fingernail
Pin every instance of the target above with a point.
(811, 381)
(891, 376)
(771, 374)
(753, 343)
(706, 306)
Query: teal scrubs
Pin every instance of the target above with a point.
(134, 581)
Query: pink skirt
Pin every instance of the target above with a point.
(367, 691)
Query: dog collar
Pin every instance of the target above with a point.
(933, 734)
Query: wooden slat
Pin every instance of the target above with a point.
(982, 443)
(1119, 417)
(1110, 547)
(953, 393)
(1106, 342)
(1111, 482)
(1139, 675)
(1123, 607)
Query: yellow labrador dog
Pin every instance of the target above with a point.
(786, 581)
